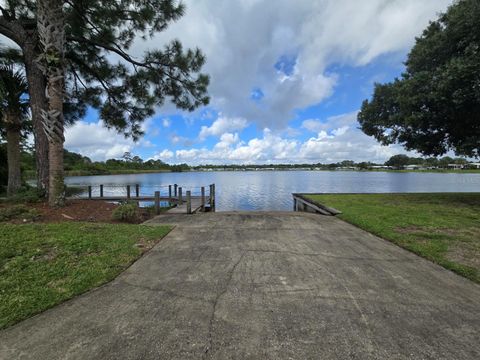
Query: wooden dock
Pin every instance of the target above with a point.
(181, 203)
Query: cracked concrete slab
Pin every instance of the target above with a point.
(263, 285)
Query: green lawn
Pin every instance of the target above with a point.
(42, 265)
(444, 228)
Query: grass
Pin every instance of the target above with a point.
(42, 265)
(444, 228)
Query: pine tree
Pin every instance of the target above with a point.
(125, 92)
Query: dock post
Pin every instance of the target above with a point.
(128, 191)
(203, 198)
(157, 202)
(180, 199)
(294, 203)
(101, 190)
(189, 202)
(175, 187)
(213, 188)
(210, 197)
(137, 190)
(89, 191)
(170, 195)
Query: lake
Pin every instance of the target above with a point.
(271, 190)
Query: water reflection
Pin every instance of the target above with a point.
(271, 190)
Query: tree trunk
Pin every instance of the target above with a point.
(56, 189)
(51, 32)
(13, 155)
(38, 102)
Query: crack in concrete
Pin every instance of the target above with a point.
(326, 255)
(208, 348)
(168, 292)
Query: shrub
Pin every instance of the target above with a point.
(18, 212)
(26, 194)
(126, 212)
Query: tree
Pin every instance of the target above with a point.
(445, 161)
(14, 112)
(3, 167)
(127, 156)
(435, 106)
(51, 32)
(398, 161)
(97, 31)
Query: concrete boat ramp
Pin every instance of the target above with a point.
(263, 286)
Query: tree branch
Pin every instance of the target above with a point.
(12, 30)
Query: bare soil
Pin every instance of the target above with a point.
(78, 210)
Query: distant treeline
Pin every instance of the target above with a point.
(395, 162)
(78, 165)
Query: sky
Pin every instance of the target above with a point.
(287, 79)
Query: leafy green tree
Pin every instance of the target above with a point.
(435, 105)
(14, 116)
(398, 161)
(444, 161)
(125, 91)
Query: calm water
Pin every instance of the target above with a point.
(271, 190)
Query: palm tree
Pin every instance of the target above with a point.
(14, 110)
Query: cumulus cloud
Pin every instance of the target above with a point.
(163, 155)
(96, 141)
(222, 125)
(244, 40)
(338, 139)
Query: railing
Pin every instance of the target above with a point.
(190, 201)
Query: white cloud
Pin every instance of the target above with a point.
(221, 126)
(313, 125)
(96, 141)
(166, 122)
(244, 39)
(163, 155)
(338, 139)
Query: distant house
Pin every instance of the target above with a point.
(455, 166)
(474, 165)
(414, 167)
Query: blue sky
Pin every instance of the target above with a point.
(287, 81)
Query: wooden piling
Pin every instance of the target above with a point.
(128, 191)
(189, 202)
(175, 188)
(157, 202)
(210, 198)
(180, 199)
(169, 194)
(203, 198)
(101, 190)
(89, 191)
(137, 190)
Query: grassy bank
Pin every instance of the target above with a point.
(42, 265)
(444, 228)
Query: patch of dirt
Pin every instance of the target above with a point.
(413, 229)
(409, 229)
(464, 255)
(78, 210)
